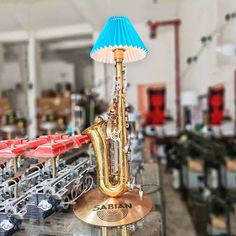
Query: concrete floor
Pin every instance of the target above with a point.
(178, 220)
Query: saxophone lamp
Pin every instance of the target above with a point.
(118, 32)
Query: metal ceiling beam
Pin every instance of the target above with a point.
(13, 36)
(63, 31)
(72, 44)
(47, 33)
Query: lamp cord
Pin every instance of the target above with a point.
(158, 188)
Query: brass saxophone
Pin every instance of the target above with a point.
(109, 139)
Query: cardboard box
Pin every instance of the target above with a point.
(218, 222)
(231, 165)
(195, 165)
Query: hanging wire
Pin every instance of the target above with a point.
(205, 40)
(157, 188)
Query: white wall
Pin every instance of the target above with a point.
(10, 75)
(200, 18)
(156, 68)
(226, 65)
(88, 76)
(83, 74)
(52, 73)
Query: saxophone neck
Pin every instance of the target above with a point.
(121, 103)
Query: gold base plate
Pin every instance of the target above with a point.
(98, 209)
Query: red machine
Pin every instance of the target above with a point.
(156, 111)
(44, 148)
(216, 105)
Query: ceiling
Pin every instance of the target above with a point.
(28, 15)
(38, 14)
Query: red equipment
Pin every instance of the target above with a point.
(44, 146)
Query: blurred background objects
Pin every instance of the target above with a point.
(181, 98)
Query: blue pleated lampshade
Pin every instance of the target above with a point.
(118, 32)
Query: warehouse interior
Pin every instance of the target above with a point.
(117, 117)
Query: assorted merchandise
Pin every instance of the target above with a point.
(40, 177)
(204, 171)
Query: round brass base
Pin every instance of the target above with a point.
(98, 209)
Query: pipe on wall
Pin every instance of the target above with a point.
(175, 23)
(235, 101)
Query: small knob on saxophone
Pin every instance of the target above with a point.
(103, 117)
(140, 192)
(117, 86)
(131, 185)
(127, 149)
(126, 118)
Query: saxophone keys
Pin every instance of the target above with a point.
(115, 136)
(127, 149)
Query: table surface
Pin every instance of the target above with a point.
(66, 224)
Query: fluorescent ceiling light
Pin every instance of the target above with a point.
(227, 49)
